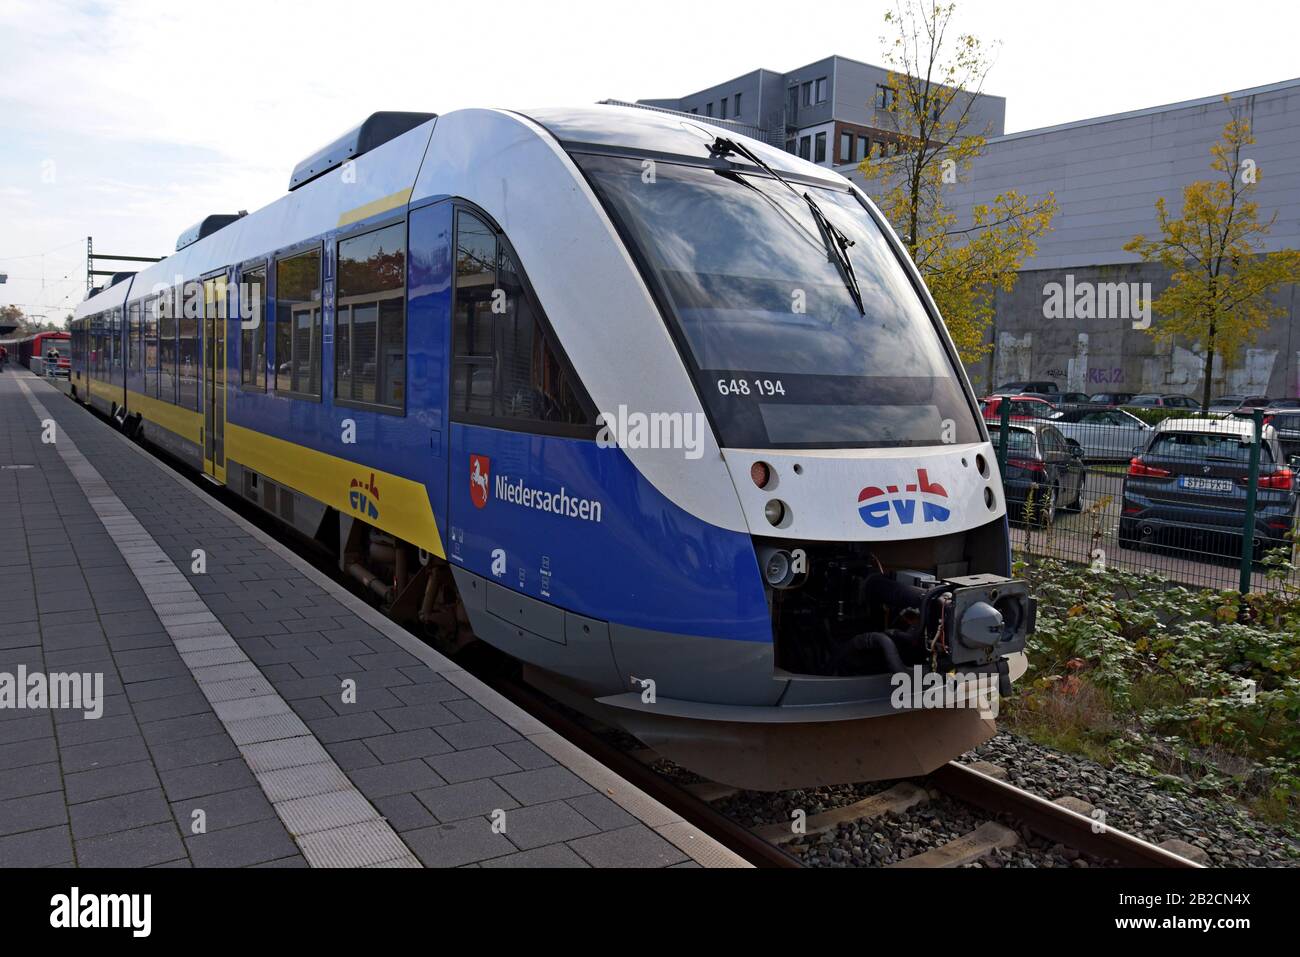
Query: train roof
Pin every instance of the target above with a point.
(384, 177)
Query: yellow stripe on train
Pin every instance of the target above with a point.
(391, 503)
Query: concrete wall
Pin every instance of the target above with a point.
(1106, 174)
(1107, 354)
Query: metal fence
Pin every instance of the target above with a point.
(1206, 501)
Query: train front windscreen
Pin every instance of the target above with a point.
(768, 322)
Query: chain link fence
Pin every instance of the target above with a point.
(1207, 501)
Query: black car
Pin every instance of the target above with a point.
(1286, 423)
(1188, 488)
(1044, 472)
(1111, 398)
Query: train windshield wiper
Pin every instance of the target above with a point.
(837, 244)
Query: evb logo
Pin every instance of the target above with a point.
(880, 506)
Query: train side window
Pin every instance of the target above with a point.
(252, 331)
(370, 319)
(188, 368)
(150, 357)
(298, 324)
(133, 338)
(505, 364)
(167, 325)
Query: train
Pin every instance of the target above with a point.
(38, 345)
(664, 414)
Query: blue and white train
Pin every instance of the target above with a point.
(665, 413)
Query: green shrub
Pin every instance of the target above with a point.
(1194, 687)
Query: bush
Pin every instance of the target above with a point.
(1193, 686)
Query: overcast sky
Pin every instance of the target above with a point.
(131, 121)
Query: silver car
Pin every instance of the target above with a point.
(1105, 435)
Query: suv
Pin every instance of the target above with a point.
(1037, 385)
(1022, 407)
(1189, 487)
(1156, 400)
(1232, 403)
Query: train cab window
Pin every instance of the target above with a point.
(252, 330)
(298, 324)
(149, 317)
(505, 365)
(370, 319)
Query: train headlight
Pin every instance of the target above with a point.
(775, 511)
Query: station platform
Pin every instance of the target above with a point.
(224, 735)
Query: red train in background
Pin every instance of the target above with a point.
(39, 345)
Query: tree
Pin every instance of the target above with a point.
(1220, 277)
(933, 90)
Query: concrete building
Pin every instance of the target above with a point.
(1106, 173)
(832, 112)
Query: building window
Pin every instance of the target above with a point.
(737, 105)
(298, 324)
(807, 90)
(864, 148)
(370, 319)
(695, 110)
(805, 147)
(885, 96)
(846, 147)
(723, 113)
(252, 331)
(792, 147)
(820, 153)
(819, 91)
(708, 109)
(504, 365)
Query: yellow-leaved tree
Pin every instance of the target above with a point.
(1220, 277)
(931, 102)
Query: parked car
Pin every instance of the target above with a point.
(1073, 398)
(1233, 403)
(1022, 407)
(1156, 400)
(1286, 423)
(1035, 385)
(1111, 398)
(1284, 404)
(1188, 488)
(1106, 435)
(1042, 467)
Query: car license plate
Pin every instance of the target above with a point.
(1193, 484)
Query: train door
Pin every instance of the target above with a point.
(214, 378)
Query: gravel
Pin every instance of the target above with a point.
(1140, 806)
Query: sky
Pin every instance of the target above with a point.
(131, 121)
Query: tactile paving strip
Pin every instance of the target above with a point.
(330, 820)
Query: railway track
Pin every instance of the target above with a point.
(1068, 822)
